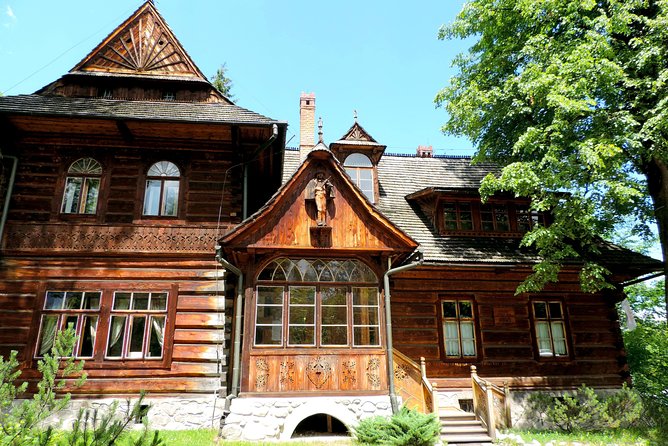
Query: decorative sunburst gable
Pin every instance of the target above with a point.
(357, 140)
(357, 133)
(143, 44)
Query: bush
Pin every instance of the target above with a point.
(585, 411)
(406, 427)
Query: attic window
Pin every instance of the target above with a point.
(169, 96)
(360, 169)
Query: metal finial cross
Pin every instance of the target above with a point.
(355, 115)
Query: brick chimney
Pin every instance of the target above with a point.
(306, 124)
(425, 151)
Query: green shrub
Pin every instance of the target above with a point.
(585, 411)
(405, 428)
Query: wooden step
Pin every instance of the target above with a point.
(469, 429)
(466, 438)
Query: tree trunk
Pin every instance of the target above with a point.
(657, 184)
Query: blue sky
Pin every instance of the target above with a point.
(381, 58)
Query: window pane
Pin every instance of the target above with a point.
(302, 295)
(91, 301)
(92, 190)
(152, 197)
(357, 160)
(70, 322)
(540, 310)
(451, 333)
(269, 314)
(465, 309)
(335, 335)
(87, 339)
(334, 315)
(122, 301)
(333, 296)
(54, 300)
(116, 336)
(558, 337)
(300, 335)
(365, 315)
(140, 301)
(156, 336)
(368, 336)
(365, 296)
(158, 301)
(47, 334)
(543, 335)
(71, 196)
(268, 335)
(73, 300)
(270, 295)
(555, 310)
(450, 309)
(501, 216)
(137, 337)
(170, 198)
(302, 315)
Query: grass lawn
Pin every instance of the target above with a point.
(207, 437)
(617, 436)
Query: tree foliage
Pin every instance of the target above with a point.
(570, 98)
(222, 82)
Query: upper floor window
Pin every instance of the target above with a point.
(360, 169)
(550, 328)
(161, 197)
(458, 328)
(494, 217)
(317, 303)
(82, 187)
(527, 219)
(457, 217)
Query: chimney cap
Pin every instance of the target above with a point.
(425, 151)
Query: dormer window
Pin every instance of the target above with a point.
(457, 217)
(169, 96)
(360, 169)
(494, 218)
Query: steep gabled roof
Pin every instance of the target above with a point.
(285, 204)
(142, 44)
(356, 139)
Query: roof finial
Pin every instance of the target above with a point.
(320, 130)
(355, 115)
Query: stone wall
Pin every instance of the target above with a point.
(261, 419)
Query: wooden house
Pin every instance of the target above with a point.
(280, 291)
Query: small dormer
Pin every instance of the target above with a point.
(360, 153)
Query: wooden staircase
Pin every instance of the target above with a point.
(459, 428)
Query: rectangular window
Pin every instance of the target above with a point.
(366, 324)
(137, 325)
(80, 196)
(269, 316)
(334, 308)
(76, 309)
(527, 219)
(457, 217)
(550, 328)
(458, 328)
(494, 218)
(301, 319)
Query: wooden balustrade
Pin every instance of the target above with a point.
(410, 382)
(491, 403)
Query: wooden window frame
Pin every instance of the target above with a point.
(62, 187)
(99, 359)
(350, 169)
(144, 181)
(565, 323)
(476, 329)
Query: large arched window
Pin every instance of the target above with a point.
(317, 303)
(360, 169)
(161, 197)
(82, 187)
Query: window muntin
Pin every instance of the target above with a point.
(137, 325)
(82, 187)
(458, 328)
(161, 196)
(336, 310)
(527, 219)
(77, 309)
(550, 328)
(457, 216)
(360, 169)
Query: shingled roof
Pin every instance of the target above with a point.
(205, 112)
(402, 175)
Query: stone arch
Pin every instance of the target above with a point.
(304, 411)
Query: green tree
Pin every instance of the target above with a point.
(568, 96)
(222, 82)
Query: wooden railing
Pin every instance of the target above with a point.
(491, 403)
(410, 382)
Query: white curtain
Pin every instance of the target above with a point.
(451, 339)
(49, 324)
(543, 334)
(559, 338)
(158, 324)
(468, 339)
(117, 326)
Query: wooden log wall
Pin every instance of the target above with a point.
(506, 344)
(197, 359)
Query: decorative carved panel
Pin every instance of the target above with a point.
(349, 372)
(319, 371)
(103, 238)
(262, 373)
(373, 373)
(287, 372)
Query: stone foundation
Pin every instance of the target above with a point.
(166, 413)
(261, 419)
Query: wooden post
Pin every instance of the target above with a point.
(506, 399)
(434, 399)
(474, 374)
(491, 416)
(423, 367)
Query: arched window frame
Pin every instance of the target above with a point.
(162, 190)
(360, 169)
(301, 303)
(82, 187)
